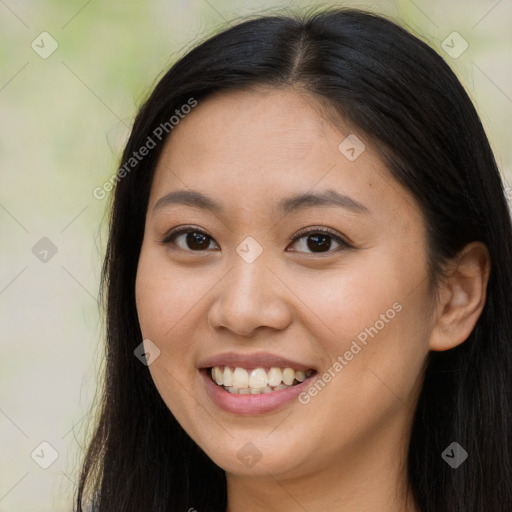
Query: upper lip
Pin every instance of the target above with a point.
(255, 360)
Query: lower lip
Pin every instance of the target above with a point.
(251, 404)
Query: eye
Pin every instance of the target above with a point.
(192, 238)
(319, 240)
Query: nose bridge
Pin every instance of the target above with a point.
(250, 295)
(247, 286)
(247, 283)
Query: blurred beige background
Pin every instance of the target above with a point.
(72, 76)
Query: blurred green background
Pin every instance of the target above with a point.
(64, 118)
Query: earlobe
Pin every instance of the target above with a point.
(462, 297)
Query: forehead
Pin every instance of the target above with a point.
(265, 124)
(251, 148)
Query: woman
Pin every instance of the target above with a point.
(308, 283)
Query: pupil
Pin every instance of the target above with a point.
(320, 241)
(196, 240)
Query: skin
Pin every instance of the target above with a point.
(345, 449)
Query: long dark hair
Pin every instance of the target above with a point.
(406, 100)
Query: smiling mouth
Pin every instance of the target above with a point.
(256, 381)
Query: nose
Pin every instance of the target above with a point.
(251, 296)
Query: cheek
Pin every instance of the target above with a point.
(164, 302)
(342, 304)
(166, 296)
(371, 319)
(170, 307)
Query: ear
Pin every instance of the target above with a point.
(462, 297)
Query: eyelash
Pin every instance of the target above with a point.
(169, 238)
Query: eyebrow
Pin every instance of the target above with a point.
(329, 197)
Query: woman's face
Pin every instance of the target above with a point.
(264, 288)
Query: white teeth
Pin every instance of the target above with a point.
(256, 381)
(217, 375)
(274, 377)
(258, 378)
(288, 376)
(228, 376)
(240, 378)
